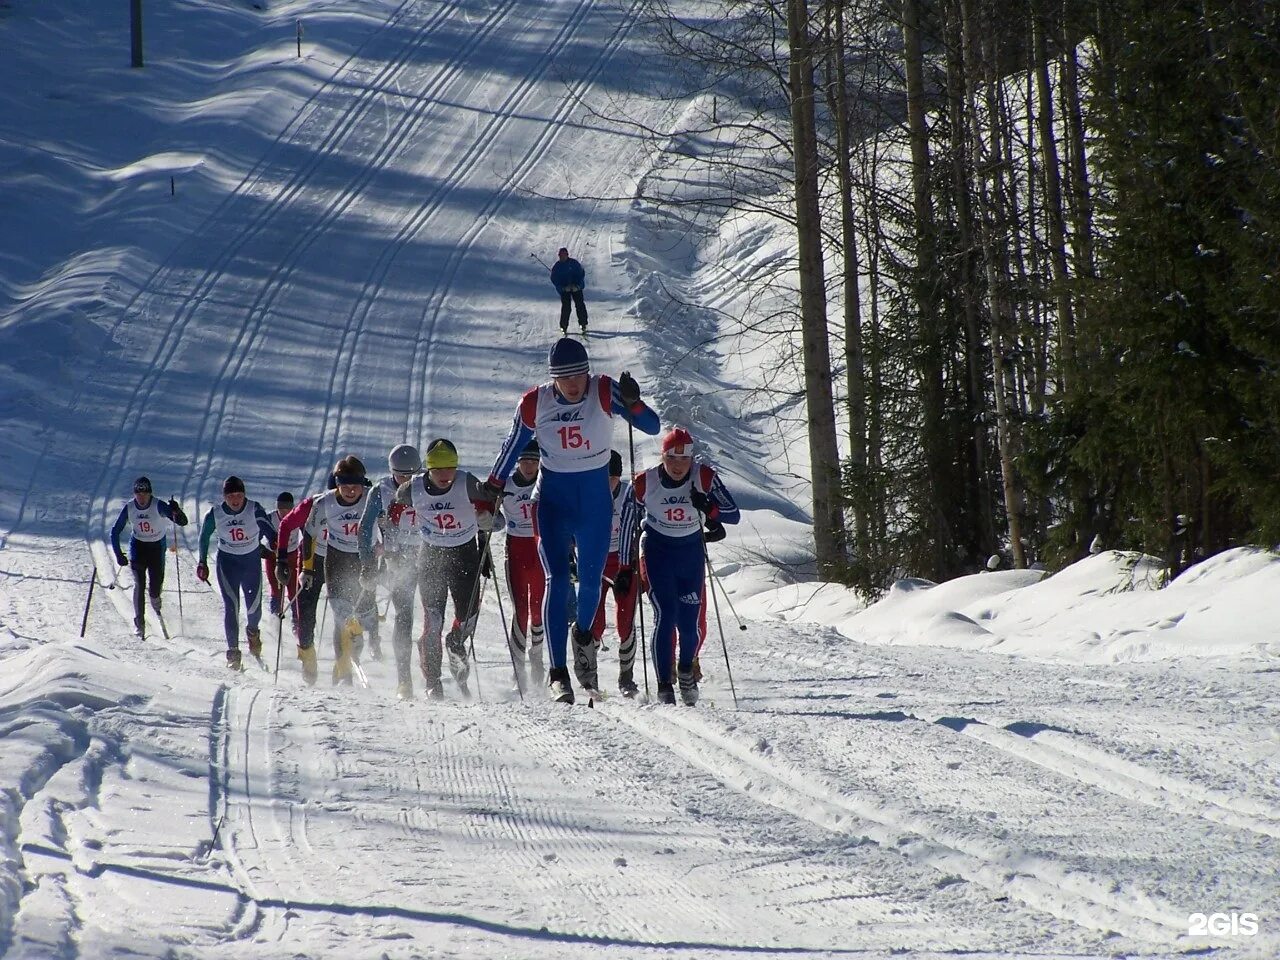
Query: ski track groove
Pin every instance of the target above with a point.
(131, 420)
(260, 309)
(529, 162)
(1061, 754)
(710, 745)
(301, 117)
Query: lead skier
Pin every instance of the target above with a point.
(571, 417)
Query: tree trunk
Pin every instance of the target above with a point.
(828, 515)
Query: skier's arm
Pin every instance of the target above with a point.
(369, 524)
(118, 528)
(722, 505)
(640, 415)
(295, 519)
(206, 534)
(265, 529)
(630, 529)
(480, 499)
(517, 438)
(579, 275)
(628, 524)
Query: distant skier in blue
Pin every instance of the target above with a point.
(149, 518)
(569, 279)
(572, 419)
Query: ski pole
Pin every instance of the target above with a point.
(540, 260)
(503, 614)
(719, 626)
(473, 611)
(720, 583)
(279, 634)
(644, 643)
(177, 575)
(93, 579)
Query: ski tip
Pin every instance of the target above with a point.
(591, 703)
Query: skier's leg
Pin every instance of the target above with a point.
(464, 572)
(664, 595)
(564, 311)
(229, 584)
(555, 538)
(580, 306)
(626, 619)
(273, 584)
(155, 574)
(403, 569)
(592, 527)
(610, 571)
(434, 591)
(139, 585)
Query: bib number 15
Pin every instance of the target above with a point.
(571, 438)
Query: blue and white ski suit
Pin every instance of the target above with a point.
(573, 506)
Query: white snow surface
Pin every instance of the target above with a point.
(1005, 765)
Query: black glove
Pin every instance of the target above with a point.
(265, 552)
(628, 389)
(491, 490)
(715, 531)
(622, 581)
(282, 568)
(701, 502)
(175, 511)
(121, 558)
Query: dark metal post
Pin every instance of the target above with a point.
(135, 31)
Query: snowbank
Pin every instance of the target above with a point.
(1105, 609)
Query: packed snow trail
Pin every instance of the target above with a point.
(363, 279)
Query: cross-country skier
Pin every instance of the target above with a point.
(354, 610)
(620, 579)
(572, 419)
(310, 582)
(149, 519)
(569, 279)
(240, 524)
(454, 513)
(676, 498)
(282, 589)
(526, 581)
(397, 525)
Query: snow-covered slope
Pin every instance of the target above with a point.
(346, 262)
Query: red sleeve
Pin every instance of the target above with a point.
(605, 385)
(529, 408)
(295, 519)
(637, 488)
(706, 476)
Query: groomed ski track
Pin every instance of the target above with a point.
(367, 281)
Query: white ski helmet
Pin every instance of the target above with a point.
(404, 458)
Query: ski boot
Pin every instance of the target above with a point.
(561, 688)
(434, 690)
(666, 693)
(342, 670)
(155, 604)
(310, 671)
(627, 684)
(404, 690)
(233, 659)
(140, 627)
(375, 648)
(584, 659)
(254, 636)
(688, 687)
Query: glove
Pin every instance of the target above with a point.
(369, 577)
(622, 581)
(121, 558)
(308, 578)
(491, 490)
(265, 552)
(282, 568)
(175, 511)
(715, 531)
(702, 503)
(202, 572)
(484, 520)
(628, 389)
